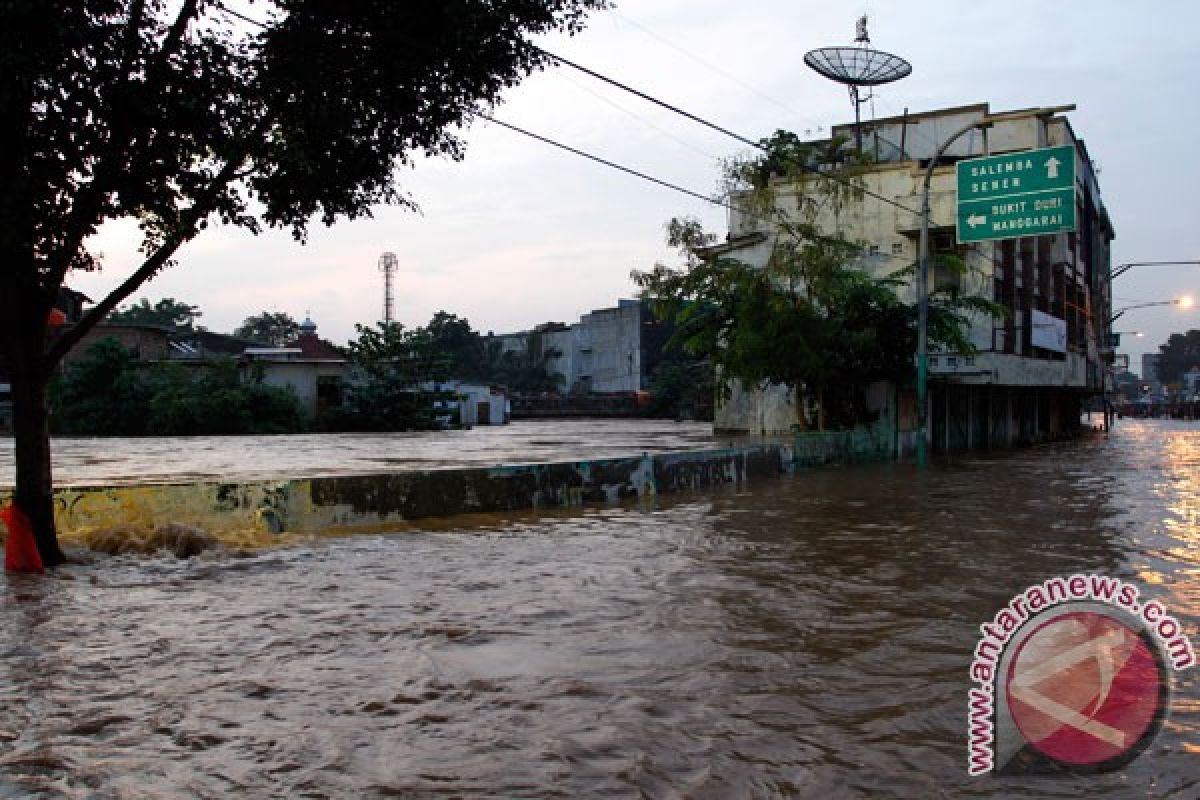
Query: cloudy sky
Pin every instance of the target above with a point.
(520, 233)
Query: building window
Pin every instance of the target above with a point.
(897, 248)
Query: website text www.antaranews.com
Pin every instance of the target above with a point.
(1176, 647)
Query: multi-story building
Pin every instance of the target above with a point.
(1035, 365)
(1150, 374)
(608, 351)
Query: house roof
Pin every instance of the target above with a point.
(312, 347)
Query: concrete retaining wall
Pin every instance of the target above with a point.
(373, 501)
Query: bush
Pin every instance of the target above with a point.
(108, 393)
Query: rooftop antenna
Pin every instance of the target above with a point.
(858, 67)
(388, 266)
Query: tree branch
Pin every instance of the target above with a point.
(184, 232)
(90, 199)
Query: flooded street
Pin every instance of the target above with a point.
(808, 637)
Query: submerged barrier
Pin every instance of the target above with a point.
(373, 501)
(189, 517)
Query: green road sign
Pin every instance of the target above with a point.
(1030, 193)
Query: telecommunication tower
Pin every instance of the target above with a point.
(388, 266)
(858, 67)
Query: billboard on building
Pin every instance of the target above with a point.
(1049, 333)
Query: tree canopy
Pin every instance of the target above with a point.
(389, 364)
(275, 328)
(107, 392)
(167, 312)
(180, 114)
(813, 317)
(1178, 355)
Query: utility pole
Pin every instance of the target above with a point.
(986, 121)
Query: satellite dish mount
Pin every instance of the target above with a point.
(858, 67)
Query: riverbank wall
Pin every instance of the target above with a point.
(256, 512)
(259, 509)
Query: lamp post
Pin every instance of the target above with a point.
(986, 121)
(1121, 269)
(1184, 302)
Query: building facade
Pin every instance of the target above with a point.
(1035, 365)
(608, 351)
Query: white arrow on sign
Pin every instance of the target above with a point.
(976, 219)
(1052, 167)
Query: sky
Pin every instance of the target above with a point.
(519, 233)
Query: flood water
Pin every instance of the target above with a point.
(113, 461)
(808, 637)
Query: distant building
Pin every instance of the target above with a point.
(144, 342)
(1191, 384)
(1151, 385)
(475, 403)
(608, 351)
(1149, 366)
(312, 369)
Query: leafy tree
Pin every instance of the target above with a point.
(167, 312)
(179, 115)
(109, 393)
(523, 371)
(389, 364)
(812, 319)
(275, 328)
(453, 338)
(683, 388)
(101, 394)
(1178, 355)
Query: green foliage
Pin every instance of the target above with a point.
(683, 389)
(810, 320)
(1178, 355)
(101, 394)
(178, 115)
(167, 312)
(523, 371)
(388, 365)
(108, 393)
(170, 112)
(275, 328)
(453, 339)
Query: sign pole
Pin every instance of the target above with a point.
(923, 299)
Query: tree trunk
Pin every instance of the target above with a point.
(31, 434)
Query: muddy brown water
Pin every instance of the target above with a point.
(91, 461)
(808, 637)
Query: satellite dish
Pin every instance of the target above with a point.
(857, 67)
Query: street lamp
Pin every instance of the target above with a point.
(1114, 337)
(1185, 302)
(1121, 269)
(986, 121)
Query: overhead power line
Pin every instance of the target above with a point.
(714, 68)
(648, 98)
(579, 85)
(604, 161)
(718, 128)
(241, 16)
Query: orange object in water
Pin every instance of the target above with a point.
(20, 551)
